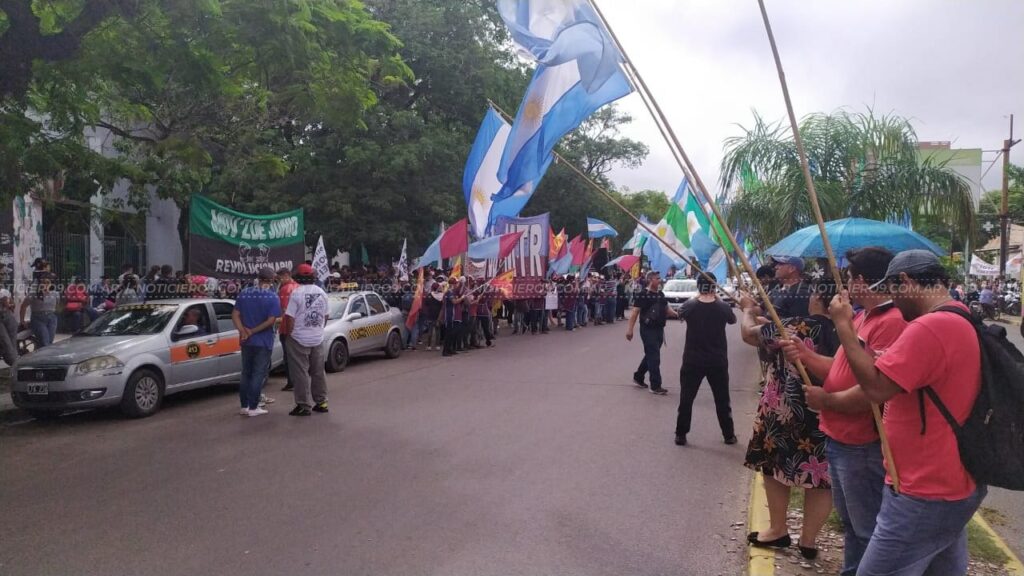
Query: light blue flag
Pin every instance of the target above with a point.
(556, 31)
(599, 228)
(514, 204)
(555, 103)
(718, 265)
(433, 253)
(703, 247)
(480, 178)
(659, 260)
(680, 197)
(561, 266)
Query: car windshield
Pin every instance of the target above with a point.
(680, 286)
(131, 320)
(337, 307)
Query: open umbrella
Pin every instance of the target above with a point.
(852, 233)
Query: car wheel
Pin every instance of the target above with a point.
(393, 348)
(337, 359)
(143, 394)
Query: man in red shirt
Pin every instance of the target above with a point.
(854, 450)
(923, 528)
(286, 285)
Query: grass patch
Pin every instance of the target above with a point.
(982, 546)
(992, 516)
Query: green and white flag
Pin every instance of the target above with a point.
(224, 243)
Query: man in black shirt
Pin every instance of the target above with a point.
(705, 355)
(651, 308)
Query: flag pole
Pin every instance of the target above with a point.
(813, 194)
(768, 307)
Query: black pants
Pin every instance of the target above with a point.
(690, 378)
(284, 365)
(652, 339)
(452, 333)
(485, 326)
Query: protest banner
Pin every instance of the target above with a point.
(529, 258)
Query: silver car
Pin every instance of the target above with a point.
(132, 356)
(360, 323)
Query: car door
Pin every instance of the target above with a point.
(380, 322)
(230, 363)
(359, 332)
(195, 359)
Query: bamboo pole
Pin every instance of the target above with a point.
(620, 206)
(813, 194)
(769, 308)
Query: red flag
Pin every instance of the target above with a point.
(455, 239)
(508, 243)
(577, 248)
(417, 303)
(503, 282)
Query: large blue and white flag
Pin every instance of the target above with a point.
(577, 72)
(480, 179)
(599, 228)
(659, 259)
(511, 206)
(681, 193)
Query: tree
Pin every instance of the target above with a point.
(991, 205)
(862, 164)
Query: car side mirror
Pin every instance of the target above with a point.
(352, 316)
(187, 330)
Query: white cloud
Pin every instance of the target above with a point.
(955, 68)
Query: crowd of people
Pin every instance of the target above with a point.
(896, 337)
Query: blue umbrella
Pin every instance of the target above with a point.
(851, 233)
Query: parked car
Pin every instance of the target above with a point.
(133, 356)
(678, 291)
(360, 323)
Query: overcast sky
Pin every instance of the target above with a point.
(956, 68)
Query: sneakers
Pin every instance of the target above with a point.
(264, 400)
(243, 412)
(639, 382)
(320, 407)
(731, 440)
(300, 411)
(680, 439)
(659, 391)
(287, 388)
(257, 412)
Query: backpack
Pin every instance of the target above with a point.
(991, 440)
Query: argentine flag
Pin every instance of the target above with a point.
(577, 72)
(480, 178)
(599, 228)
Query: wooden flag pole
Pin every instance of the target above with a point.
(769, 308)
(813, 194)
(620, 206)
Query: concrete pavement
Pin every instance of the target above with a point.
(536, 457)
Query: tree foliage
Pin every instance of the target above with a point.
(862, 164)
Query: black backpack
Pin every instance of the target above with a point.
(991, 440)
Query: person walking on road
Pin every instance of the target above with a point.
(705, 355)
(257, 309)
(286, 285)
(651, 308)
(304, 321)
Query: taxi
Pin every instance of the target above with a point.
(133, 356)
(360, 323)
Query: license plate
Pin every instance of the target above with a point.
(39, 389)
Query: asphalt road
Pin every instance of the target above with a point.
(536, 457)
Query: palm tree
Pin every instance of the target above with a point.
(862, 165)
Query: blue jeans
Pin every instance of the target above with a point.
(44, 328)
(917, 537)
(652, 339)
(255, 367)
(858, 481)
(570, 319)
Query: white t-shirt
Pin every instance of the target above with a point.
(308, 307)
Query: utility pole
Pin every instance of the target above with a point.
(1004, 214)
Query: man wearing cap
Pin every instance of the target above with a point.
(256, 311)
(790, 295)
(304, 321)
(921, 530)
(285, 286)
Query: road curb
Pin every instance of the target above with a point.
(1013, 565)
(761, 561)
